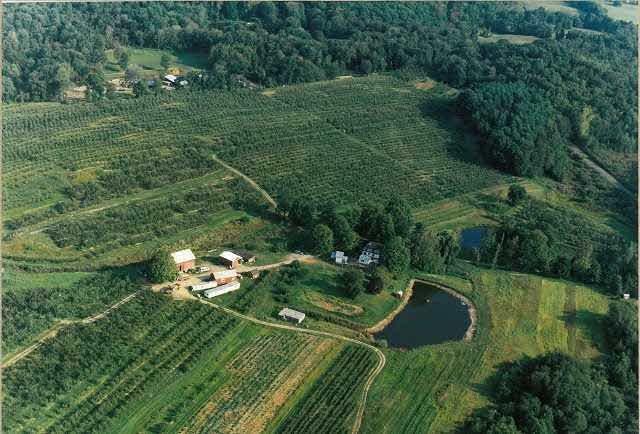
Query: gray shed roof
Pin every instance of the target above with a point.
(290, 313)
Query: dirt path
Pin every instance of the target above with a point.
(254, 184)
(598, 168)
(372, 376)
(307, 259)
(53, 331)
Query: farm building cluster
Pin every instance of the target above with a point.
(216, 281)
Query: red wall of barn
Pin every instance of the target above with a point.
(186, 266)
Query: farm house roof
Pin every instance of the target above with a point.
(230, 256)
(183, 256)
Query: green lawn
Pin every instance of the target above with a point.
(624, 12)
(315, 292)
(513, 39)
(149, 60)
(434, 388)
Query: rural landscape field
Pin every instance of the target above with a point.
(247, 217)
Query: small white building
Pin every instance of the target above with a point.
(224, 289)
(626, 296)
(171, 78)
(291, 315)
(365, 259)
(339, 257)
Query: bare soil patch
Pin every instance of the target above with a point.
(425, 85)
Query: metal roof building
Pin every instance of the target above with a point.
(184, 259)
(229, 287)
(291, 315)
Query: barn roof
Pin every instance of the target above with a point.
(225, 274)
(183, 256)
(230, 256)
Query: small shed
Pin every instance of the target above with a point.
(291, 315)
(224, 289)
(626, 296)
(225, 276)
(185, 260)
(339, 257)
(230, 259)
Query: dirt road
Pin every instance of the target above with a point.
(254, 184)
(598, 168)
(53, 331)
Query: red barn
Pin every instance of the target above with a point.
(185, 259)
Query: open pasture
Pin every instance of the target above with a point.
(518, 314)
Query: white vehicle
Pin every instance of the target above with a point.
(202, 269)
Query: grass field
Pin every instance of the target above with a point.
(315, 291)
(624, 12)
(518, 315)
(149, 60)
(512, 39)
(165, 366)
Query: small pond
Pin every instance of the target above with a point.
(471, 238)
(431, 317)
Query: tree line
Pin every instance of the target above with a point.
(550, 240)
(557, 393)
(404, 244)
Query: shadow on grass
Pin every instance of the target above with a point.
(588, 323)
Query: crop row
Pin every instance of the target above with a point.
(258, 370)
(329, 405)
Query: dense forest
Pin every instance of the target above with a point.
(568, 87)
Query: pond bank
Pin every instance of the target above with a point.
(470, 307)
(385, 321)
(468, 335)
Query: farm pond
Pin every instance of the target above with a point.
(471, 238)
(432, 316)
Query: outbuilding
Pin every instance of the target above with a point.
(339, 257)
(204, 285)
(291, 315)
(224, 276)
(230, 259)
(185, 260)
(224, 289)
(247, 257)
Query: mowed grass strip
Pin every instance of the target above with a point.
(518, 314)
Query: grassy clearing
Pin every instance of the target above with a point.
(149, 60)
(624, 12)
(314, 291)
(511, 38)
(518, 315)
(551, 6)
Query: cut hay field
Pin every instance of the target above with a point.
(158, 365)
(433, 389)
